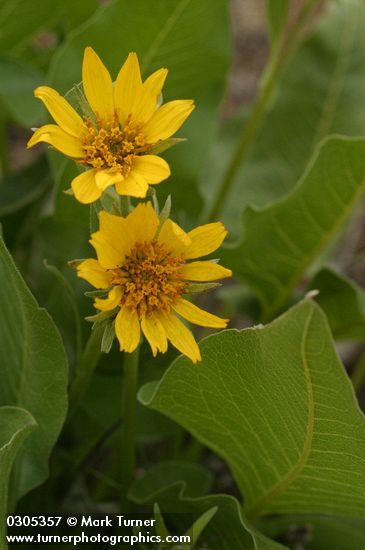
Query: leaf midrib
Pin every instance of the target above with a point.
(261, 506)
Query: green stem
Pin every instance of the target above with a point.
(358, 374)
(278, 58)
(88, 363)
(129, 409)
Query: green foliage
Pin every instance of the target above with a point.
(72, 301)
(196, 479)
(15, 426)
(227, 529)
(29, 36)
(343, 303)
(199, 525)
(337, 533)
(193, 533)
(21, 189)
(282, 240)
(318, 532)
(18, 80)
(33, 372)
(21, 21)
(67, 209)
(288, 455)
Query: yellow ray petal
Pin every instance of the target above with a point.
(127, 329)
(110, 251)
(111, 301)
(132, 186)
(143, 223)
(111, 223)
(59, 139)
(205, 239)
(155, 334)
(198, 316)
(152, 168)
(167, 119)
(174, 238)
(97, 85)
(127, 87)
(180, 336)
(105, 178)
(94, 273)
(151, 89)
(205, 271)
(84, 187)
(116, 228)
(62, 112)
(138, 179)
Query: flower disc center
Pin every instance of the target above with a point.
(109, 146)
(150, 278)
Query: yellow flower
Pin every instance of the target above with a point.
(143, 265)
(116, 141)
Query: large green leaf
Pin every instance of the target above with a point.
(320, 92)
(282, 240)
(33, 371)
(191, 39)
(276, 403)
(227, 530)
(15, 426)
(343, 303)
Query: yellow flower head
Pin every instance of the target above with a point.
(143, 265)
(117, 139)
